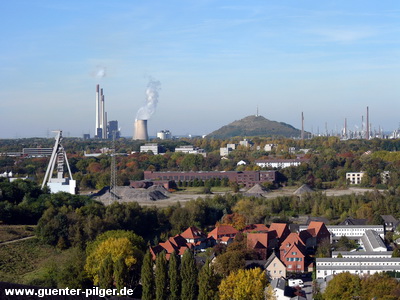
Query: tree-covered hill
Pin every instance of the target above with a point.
(255, 126)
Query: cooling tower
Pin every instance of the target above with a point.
(141, 130)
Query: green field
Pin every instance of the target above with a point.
(14, 232)
(21, 261)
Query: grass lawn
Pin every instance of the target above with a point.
(18, 260)
(14, 232)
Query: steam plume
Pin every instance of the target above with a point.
(147, 110)
(100, 72)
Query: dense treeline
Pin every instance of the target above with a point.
(330, 159)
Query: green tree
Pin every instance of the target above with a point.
(161, 277)
(189, 276)
(208, 282)
(121, 274)
(173, 277)
(105, 273)
(147, 277)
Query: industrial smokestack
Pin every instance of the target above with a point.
(141, 130)
(97, 108)
(367, 129)
(302, 126)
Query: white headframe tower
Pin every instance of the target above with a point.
(60, 183)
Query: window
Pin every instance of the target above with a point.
(294, 253)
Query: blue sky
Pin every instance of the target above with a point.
(216, 61)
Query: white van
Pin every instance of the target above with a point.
(296, 282)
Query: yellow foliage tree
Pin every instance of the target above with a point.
(117, 248)
(243, 284)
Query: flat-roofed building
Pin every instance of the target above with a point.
(354, 177)
(279, 163)
(37, 152)
(361, 266)
(362, 254)
(153, 147)
(247, 178)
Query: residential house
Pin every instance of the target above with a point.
(295, 258)
(222, 231)
(352, 221)
(354, 177)
(315, 234)
(262, 243)
(274, 267)
(282, 230)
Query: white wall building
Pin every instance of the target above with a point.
(279, 163)
(189, 149)
(362, 254)
(354, 232)
(354, 177)
(372, 242)
(153, 147)
(164, 135)
(361, 266)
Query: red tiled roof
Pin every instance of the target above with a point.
(222, 230)
(257, 238)
(315, 228)
(256, 227)
(292, 239)
(192, 233)
(280, 228)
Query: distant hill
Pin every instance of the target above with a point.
(255, 126)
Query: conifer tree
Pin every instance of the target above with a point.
(174, 278)
(161, 277)
(189, 276)
(106, 273)
(208, 282)
(147, 277)
(120, 274)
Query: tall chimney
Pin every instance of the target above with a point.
(141, 130)
(97, 109)
(302, 126)
(367, 130)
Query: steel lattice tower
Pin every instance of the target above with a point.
(113, 178)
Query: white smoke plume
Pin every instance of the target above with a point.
(100, 72)
(147, 110)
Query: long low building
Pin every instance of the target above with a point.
(354, 231)
(279, 163)
(361, 266)
(362, 254)
(246, 178)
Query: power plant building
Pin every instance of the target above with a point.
(164, 135)
(141, 130)
(113, 129)
(101, 115)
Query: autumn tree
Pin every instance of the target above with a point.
(243, 284)
(343, 287)
(117, 244)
